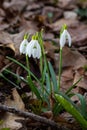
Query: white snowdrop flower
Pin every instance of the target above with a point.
(23, 46)
(65, 36)
(33, 49)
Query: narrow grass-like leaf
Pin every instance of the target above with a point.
(33, 88)
(5, 129)
(44, 73)
(48, 86)
(16, 75)
(57, 108)
(69, 90)
(24, 67)
(83, 105)
(70, 107)
(15, 85)
(53, 76)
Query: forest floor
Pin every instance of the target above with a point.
(18, 17)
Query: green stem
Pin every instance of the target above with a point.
(60, 68)
(28, 66)
(41, 64)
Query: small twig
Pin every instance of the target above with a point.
(31, 116)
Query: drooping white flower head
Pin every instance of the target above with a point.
(23, 46)
(65, 36)
(33, 49)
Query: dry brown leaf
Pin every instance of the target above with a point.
(79, 35)
(56, 26)
(2, 63)
(47, 114)
(9, 118)
(14, 5)
(49, 47)
(83, 82)
(71, 58)
(69, 4)
(51, 13)
(16, 101)
(82, 3)
(5, 38)
(6, 41)
(67, 73)
(67, 78)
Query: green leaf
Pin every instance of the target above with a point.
(69, 90)
(53, 76)
(83, 105)
(57, 108)
(1, 75)
(48, 85)
(15, 75)
(24, 67)
(71, 108)
(33, 87)
(44, 73)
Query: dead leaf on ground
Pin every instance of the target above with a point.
(51, 13)
(9, 118)
(14, 5)
(83, 82)
(79, 35)
(67, 4)
(71, 58)
(56, 26)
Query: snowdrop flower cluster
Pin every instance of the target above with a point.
(31, 49)
(65, 36)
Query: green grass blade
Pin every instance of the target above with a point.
(48, 87)
(44, 73)
(5, 129)
(9, 81)
(57, 108)
(24, 67)
(16, 75)
(33, 88)
(83, 105)
(70, 107)
(53, 76)
(69, 90)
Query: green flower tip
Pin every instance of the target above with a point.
(26, 36)
(35, 37)
(64, 27)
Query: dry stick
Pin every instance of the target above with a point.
(31, 116)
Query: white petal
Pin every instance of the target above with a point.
(33, 49)
(63, 39)
(23, 46)
(38, 51)
(34, 53)
(68, 37)
(29, 48)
